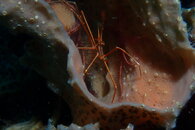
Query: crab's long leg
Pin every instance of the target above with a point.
(126, 53)
(99, 37)
(74, 10)
(120, 78)
(88, 30)
(87, 48)
(75, 29)
(81, 17)
(118, 48)
(112, 79)
(129, 63)
(88, 67)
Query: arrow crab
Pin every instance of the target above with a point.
(156, 81)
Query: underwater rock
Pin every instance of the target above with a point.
(72, 126)
(151, 31)
(29, 125)
(36, 125)
(76, 127)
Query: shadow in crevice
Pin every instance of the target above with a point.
(23, 92)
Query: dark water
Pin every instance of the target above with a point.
(24, 94)
(187, 3)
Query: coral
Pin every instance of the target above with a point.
(30, 125)
(37, 125)
(34, 125)
(151, 31)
